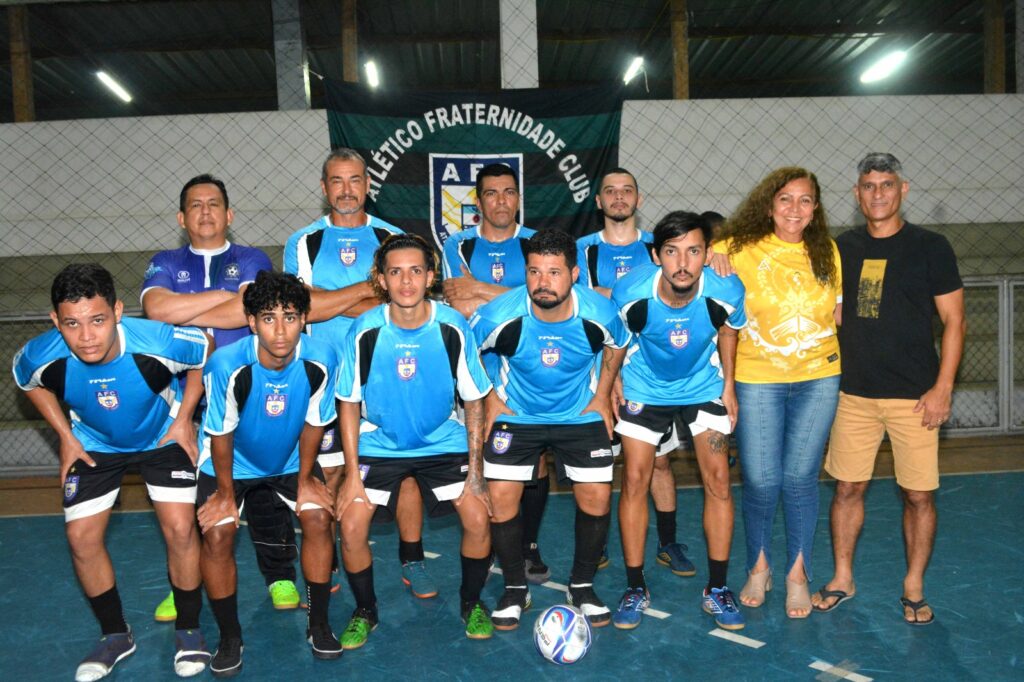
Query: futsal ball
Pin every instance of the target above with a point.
(562, 634)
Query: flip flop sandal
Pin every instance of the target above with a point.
(916, 606)
(839, 595)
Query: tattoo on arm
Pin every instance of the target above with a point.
(475, 435)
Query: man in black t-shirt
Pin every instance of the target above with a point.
(896, 277)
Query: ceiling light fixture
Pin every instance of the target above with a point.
(884, 67)
(634, 68)
(114, 86)
(372, 77)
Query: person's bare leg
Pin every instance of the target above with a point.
(920, 520)
(847, 520)
(409, 511)
(89, 553)
(638, 465)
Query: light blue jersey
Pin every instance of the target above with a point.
(407, 381)
(502, 263)
(673, 354)
(603, 264)
(266, 409)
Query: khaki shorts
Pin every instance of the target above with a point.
(857, 432)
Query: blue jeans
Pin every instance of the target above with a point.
(781, 434)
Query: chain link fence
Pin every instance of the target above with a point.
(107, 191)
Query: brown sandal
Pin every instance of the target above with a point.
(798, 596)
(757, 584)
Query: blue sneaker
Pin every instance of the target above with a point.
(190, 654)
(108, 653)
(721, 604)
(414, 574)
(671, 555)
(631, 608)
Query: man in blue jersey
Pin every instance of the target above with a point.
(333, 256)
(606, 256)
(404, 365)
(480, 264)
(201, 284)
(268, 400)
(119, 377)
(680, 363)
(559, 347)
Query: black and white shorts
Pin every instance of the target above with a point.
(331, 454)
(168, 472)
(668, 444)
(286, 486)
(440, 477)
(583, 452)
(648, 423)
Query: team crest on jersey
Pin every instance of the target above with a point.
(183, 276)
(501, 441)
(406, 368)
(108, 400)
(327, 441)
(497, 272)
(453, 190)
(71, 487)
(549, 357)
(347, 255)
(275, 404)
(679, 337)
(232, 271)
(634, 407)
(621, 271)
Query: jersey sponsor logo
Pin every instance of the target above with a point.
(549, 356)
(679, 337)
(501, 441)
(108, 399)
(602, 452)
(232, 271)
(71, 486)
(184, 276)
(497, 272)
(348, 255)
(453, 190)
(406, 368)
(327, 441)
(275, 404)
(621, 271)
(183, 475)
(634, 407)
(151, 270)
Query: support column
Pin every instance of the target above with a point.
(518, 43)
(1018, 47)
(349, 42)
(290, 56)
(995, 47)
(680, 51)
(21, 64)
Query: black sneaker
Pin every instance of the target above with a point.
(109, 652)
(583, 597)
(323, 641)
(510, 608)
(537, 572)
(227, 661)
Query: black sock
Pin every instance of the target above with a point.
(318, 598)
(591, 536)
(666, 527)
(535, 499)
(507, 541)
(335, 564)
(107, 609)
(362, 588)
(635, 577)
(226, 612)
(717, 571)
(474, 575)
(410, 551)
(188, 604)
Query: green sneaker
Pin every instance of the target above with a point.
(165, 611)
(284, 595)
(364, 621)
(478, 621)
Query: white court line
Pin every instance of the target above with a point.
(839, 673)
(739, 639)
(431, 555)
(559, 587)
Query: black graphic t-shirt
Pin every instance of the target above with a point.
(889, 286)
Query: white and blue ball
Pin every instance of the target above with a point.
(562, 634)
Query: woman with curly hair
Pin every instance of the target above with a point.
(787, 369)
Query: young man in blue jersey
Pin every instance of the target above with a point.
(333, 256)
(268, 400)
(405, 364)
(559, 347)
(606, 256)
(119, 377)
(681, 360)
(480, 264)
(200, 284)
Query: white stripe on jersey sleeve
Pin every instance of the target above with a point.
(315, 416)
(466, 383)
(305, 268)
(353, 393)
(229, 420)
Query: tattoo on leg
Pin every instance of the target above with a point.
(718, 442)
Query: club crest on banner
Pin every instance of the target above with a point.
(453, 190)
(501, 441)
(108, 400)
(549, 357)
(679, 337)
(275, 404)
(347, 255)
(406, 368)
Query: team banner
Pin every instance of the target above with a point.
(423, 150)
